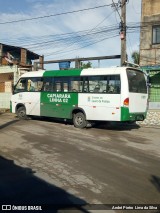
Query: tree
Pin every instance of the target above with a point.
(135, 57)
(87, 65)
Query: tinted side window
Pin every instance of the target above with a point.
(48, 84)
(58, 85)
(136, 81)
(66, 84)
(29, 85)
(114, 85)
(97, 84)
(102, 84)
(34, 84)
(76, 84)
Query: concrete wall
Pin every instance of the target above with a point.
(7, 77)
(150, 7)
(153, 118)
(149, 53)
(5, 100)
(8, 69)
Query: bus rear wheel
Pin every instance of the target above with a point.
(21, 113)
(79, 120)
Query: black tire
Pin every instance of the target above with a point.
(21, 113)
(79, 120)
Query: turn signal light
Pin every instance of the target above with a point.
(126, 102)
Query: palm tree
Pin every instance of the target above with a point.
(135, 57)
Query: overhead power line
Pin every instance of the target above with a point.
(81, 38)
(116, 8)
(57, 14)
(69, 42)
(38, 41)
(59, 44)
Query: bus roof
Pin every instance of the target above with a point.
(77, 72)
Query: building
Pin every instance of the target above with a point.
(14, 61)
(150, 53)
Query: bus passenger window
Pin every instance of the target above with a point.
(113, 86)
(58, 86)
(97, 84)
(65, 86)
(48, 84)
(97, 88)
(30, 86)
(58, 82)
(76, 84)
(39, 85)
(34, 84)
(111, 89)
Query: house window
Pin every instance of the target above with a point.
(156, 35)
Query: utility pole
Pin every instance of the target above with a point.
(123, 31)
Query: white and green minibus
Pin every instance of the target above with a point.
(83, 95)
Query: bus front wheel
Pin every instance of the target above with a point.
(21, 112)
(79, 120)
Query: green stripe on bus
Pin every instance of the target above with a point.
(127, 116)
(60, 73)
(58, 105)
(10, 106)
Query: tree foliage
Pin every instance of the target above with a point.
(135, 57)
(86, 65)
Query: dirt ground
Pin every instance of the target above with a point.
(44, 161)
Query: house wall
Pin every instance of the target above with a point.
(6, 81)
(7, 78)
(150, 7)
(14, 61)
(23, 56)
(150, 53)
(5, 100)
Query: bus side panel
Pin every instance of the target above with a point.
(31, 100)
(59, 104)
(100, 107)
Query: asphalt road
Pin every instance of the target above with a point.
(47, 162)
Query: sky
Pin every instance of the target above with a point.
(87, 33)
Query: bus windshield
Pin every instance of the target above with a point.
(136, 81)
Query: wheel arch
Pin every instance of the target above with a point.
(76, 110)
(18, 106)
